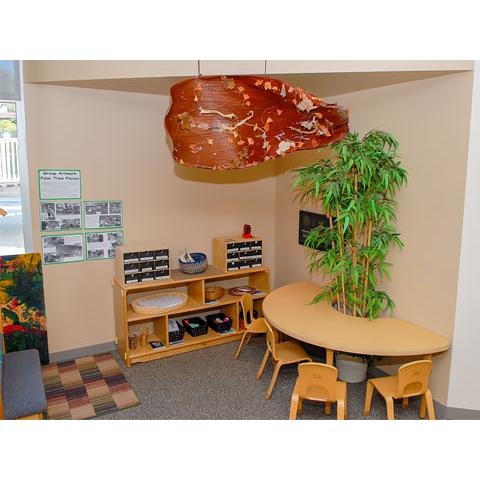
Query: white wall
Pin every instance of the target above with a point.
(464, 388)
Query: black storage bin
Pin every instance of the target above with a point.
(176, 335)
(195, 330)
(219, 322)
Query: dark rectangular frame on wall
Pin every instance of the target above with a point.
(307, 222)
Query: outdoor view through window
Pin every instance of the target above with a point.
(11, 224)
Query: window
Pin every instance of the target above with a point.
(15, 225)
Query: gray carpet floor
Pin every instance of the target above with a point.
(209, 384)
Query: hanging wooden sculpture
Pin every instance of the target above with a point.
(223, 123)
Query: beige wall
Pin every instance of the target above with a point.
(118, 142)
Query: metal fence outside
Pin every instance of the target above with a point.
(9, 170)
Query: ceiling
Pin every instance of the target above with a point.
(319, 84)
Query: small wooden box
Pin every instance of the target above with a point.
(139, 263)
(237, 253)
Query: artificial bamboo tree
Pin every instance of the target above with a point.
(354, 186)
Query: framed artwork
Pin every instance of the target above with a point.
(22, 304)
(307, 222)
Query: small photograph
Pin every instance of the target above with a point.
(94, 237)
(47, 210)
(50, 225)
(116, 207)
(95, 254)
(110, 221)
(96, 208)
(115, 239)
(70, 223)
(67, 208)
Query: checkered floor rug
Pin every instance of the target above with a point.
(86, 387)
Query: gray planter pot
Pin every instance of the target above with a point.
(351, 369)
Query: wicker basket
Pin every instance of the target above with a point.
(198, 265)
(214, 292)
(159, 303)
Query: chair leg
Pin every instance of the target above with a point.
(294, 405)
(300, 406)
(368, 398)
(249, 337)
(405, 403)
(390, 408)
(423, 406)
(430, 407)
(241, 345)
(340, 410)
(328, 408)
(264, 362)
(274, 379)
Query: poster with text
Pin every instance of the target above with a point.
(59, 184)
(60, 216)
(101, 245)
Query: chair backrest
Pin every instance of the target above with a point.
(317, 381)
(413, 378)
(247, 308)
(271, 340)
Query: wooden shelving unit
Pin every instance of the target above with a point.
(128, 321)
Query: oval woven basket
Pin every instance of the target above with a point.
(198, 265)
(214, 292)
(159, 303)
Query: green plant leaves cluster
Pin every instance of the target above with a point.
(355, 186)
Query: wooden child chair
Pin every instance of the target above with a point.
(252, 325)
(283, 353)
(318, 382)
(411, 381)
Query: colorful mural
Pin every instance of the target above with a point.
(22, 304)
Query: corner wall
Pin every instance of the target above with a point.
(430, 119)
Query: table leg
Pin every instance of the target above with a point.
(329, 359)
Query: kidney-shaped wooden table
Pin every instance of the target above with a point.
(287, 309)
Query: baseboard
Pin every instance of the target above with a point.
(81, 352)
(452, 413)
